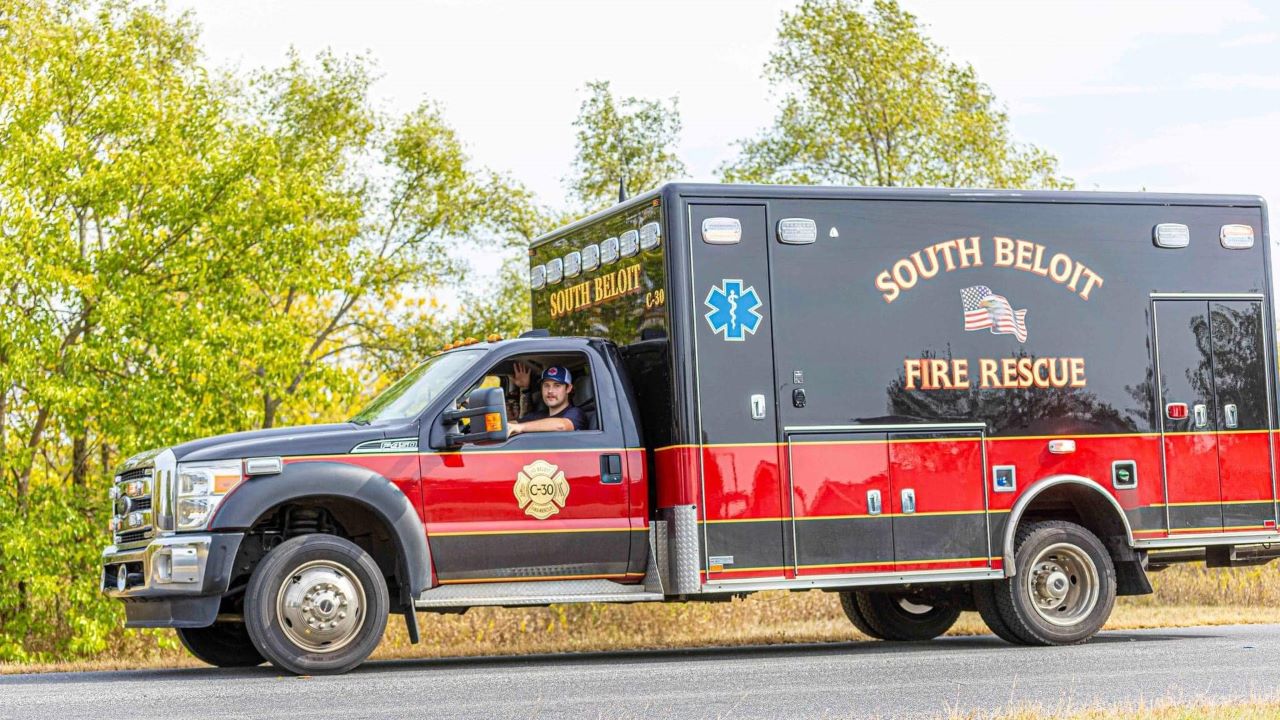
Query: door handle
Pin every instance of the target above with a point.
(1230, 416)
(873, 502)
(1200, 415)
(757, 407)
(908, 501)
(610, 469)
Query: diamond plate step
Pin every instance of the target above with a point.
(543, 592)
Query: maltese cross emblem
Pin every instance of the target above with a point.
(734, 310)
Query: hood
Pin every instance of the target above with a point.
(331, 439)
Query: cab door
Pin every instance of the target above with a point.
(539, 506)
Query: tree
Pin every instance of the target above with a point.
(868, 99)
(631, 142)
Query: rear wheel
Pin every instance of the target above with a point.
(1065, 588)
(317, 604)
(899, 616)
(222, 644)
(849, 602)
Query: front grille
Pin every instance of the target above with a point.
(131, 499)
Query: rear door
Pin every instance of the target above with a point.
(1240, 391)
(1215, 415)
(736, 414)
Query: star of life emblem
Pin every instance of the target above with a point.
(734, 310)
(541, 490)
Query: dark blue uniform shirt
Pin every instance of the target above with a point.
(570, 413)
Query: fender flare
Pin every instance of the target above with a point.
(252, 498)
(1039, 486)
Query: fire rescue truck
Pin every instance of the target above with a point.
(926, 401)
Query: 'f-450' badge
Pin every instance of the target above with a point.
(541, 489)
(734, 310)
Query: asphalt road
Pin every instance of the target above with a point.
(845, 680)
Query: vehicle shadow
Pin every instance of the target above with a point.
(975, 643)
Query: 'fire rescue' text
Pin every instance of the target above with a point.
(994, 373)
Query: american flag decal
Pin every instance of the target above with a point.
(985, 309)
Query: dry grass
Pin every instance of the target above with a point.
(1256, 709)
(1185, 595)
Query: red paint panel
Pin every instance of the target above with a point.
(1245, 466)
(676, 474)
(834, 478)
(1092, 459)
(1193, 468)
(476, 489)
(946, 475)
(742, 481)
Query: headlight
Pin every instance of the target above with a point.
(200, 487)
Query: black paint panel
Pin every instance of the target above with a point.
(752, 544)
(514, 555)
(1247, 514)
(940, 537)
(845, 541)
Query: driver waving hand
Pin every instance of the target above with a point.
(557, 388)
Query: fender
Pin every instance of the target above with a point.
(255, 496)
(1015, 515)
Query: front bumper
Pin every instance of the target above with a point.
(171, 581)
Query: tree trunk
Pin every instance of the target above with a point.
(80, 459)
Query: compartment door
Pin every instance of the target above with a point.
(1188, 416)
(1241, 391)
(839, 487)
(939, 501)
(742, 509)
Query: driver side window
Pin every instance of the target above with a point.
(522, 376)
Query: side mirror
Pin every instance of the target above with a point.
(489, 407)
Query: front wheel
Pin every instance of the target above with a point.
(1065, 588)
(317, 604)
(222, 644)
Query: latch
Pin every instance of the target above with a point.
(1200, 414)
(873, 502)
(908, 501)
(757, 407)
(1230, 416)
(798, 397)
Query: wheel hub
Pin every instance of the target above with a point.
(1063, 584)
(321, 606)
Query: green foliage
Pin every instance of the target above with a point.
(186, 253)
(868, 99)
(631, 141)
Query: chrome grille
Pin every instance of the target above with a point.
(132, 518)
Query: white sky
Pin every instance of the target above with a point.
(1161, 96)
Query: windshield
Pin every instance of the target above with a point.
(411, 394)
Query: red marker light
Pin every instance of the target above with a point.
(1176, 411)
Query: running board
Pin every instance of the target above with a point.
(537, 592)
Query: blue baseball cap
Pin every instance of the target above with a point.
(559, 373)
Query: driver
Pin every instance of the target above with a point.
(557, 388)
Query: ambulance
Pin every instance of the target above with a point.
(924, 401)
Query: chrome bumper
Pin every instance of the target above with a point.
(173, 565)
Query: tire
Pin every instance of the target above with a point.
(1065, 588)
(850, 605)
(306, 583)
(894, 616)
(984, 597)
(222, 644)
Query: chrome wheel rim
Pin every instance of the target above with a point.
(321, 606)
(912, 608)
(1062, 584)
